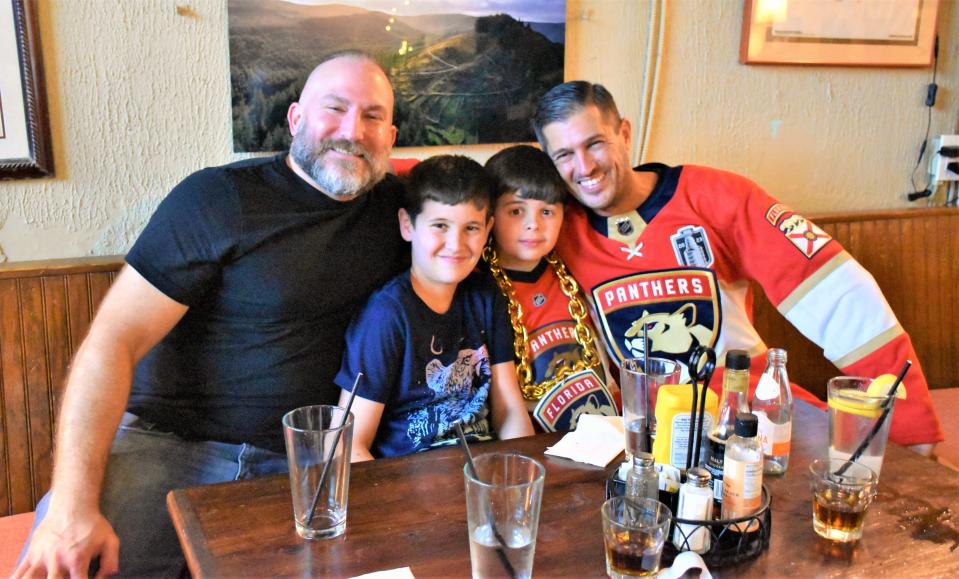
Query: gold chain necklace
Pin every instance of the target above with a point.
(584, 336)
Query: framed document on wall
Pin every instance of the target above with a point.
(24, 129)
(839, 32)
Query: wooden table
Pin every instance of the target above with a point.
(412, 512)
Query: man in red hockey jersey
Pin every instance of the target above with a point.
(674, 249)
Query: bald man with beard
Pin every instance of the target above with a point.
(231, 311)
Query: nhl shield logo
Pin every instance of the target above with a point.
(692, 247)
(581, 393)
(680, 310)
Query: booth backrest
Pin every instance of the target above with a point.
(914, 256)
(46, 307)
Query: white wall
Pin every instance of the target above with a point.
(139, 97)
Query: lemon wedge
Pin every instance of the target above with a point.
(856, 402)
(881, 384)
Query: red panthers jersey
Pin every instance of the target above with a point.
(681, 266)
(551, 333)
(549, 326)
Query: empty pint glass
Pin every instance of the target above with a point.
(502, 514)
(319, 475)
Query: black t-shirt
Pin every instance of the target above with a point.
(272, 271)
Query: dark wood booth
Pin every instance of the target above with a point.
(46, 308)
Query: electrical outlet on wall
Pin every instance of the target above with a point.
(944, 159)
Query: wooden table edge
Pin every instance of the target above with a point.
(184, 518)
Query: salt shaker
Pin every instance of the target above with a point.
(695, 503)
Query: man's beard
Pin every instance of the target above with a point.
(344, 179)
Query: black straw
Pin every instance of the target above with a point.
(501, 542)
(690, 442)
(886, 409)
(648, 419)
(329, 457)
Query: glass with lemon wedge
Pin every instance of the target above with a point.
(855, 404)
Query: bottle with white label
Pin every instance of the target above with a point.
(773, 406)
(695, 504)
(743, 472)
(734, 401)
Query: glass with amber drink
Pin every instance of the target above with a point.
(634, 531)
(840, 500)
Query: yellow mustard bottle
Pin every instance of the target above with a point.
(673, 405)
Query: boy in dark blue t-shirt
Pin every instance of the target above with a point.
(435, 344)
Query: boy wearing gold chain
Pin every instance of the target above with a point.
(558, 365)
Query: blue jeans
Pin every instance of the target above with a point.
(144, 465)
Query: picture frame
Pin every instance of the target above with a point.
(464, 73)
(896, 33)
(25, 148)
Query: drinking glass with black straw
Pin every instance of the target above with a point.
(500, 540)
(329, 457)
(886, 409)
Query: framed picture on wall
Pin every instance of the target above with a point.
(839, 32)
(24, 129)
(464, 72)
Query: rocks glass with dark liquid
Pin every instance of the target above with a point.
(634, 532)
(840, 501)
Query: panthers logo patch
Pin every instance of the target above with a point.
(551, 347)
(581, 393)
(680, 310)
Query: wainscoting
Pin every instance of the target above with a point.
(45, 310)
(914, 256)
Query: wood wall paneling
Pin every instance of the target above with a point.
(45, 310)
(14, 435)
(913, 256)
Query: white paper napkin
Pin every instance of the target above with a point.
(684, 562)
(597, 440)
(403, 573)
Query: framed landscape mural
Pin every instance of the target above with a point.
(464, 71)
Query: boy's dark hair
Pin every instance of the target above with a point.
(564, 100)
(529, 173)
(451, 180)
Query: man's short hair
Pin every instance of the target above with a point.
(564, 100)
(351, 53)
(529, 173)
(451, 180)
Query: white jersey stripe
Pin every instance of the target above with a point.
(738, 332)
(843, 312)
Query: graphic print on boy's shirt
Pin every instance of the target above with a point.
(455, 400)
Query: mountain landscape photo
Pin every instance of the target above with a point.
(460, 76)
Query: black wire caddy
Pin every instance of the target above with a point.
(731, 540)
